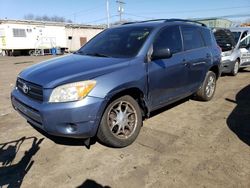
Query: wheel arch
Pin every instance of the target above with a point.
(216, 70)
(135, 93)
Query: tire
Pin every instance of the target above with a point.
(207, 90)
(235, 69)
(120, 123)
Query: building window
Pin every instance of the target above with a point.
(70, 37)
(19, 33)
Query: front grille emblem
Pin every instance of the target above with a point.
(25, 88)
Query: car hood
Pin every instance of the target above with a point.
(70, 68)
(224, 38)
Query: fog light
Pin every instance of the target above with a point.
(72, 127)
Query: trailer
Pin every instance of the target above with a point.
(25, 37)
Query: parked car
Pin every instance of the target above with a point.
(242, 38)
(118, 78)
(235, 54)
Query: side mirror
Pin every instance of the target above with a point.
(161, 54)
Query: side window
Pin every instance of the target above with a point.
(192, 38)
(19, 32)
(206, 33)
(246, 42)
(169, 37)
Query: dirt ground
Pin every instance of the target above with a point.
(189, 144)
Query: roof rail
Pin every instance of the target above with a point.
(167, 20)
(183, 20)
(154, 20)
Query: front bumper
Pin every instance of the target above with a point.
(72, 119)
(227, 66)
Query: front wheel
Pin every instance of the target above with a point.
(235, 69)
(207, 90)
(121, 122)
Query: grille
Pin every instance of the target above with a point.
(33, 91)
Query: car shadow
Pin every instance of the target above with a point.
(170, 106)
(239, 119)
(91, 184)
(244, 70)
(66, 141)
(12, 173)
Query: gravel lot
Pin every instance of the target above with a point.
(189, 144)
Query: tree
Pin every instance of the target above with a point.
(46, 18)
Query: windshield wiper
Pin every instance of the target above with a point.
(92, 54)
(96, 54)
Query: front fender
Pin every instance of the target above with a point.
(132, 76)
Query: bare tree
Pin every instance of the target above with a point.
(46, 18)
(29, 17)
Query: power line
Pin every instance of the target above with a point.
(86, 10)
(146, 17)
(101, 19)
(196, 10)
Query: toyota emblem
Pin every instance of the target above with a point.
(25, 88)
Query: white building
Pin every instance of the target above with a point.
(78, 35)
(38, 37)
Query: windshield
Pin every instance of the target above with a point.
(122, 42)
(236, 36)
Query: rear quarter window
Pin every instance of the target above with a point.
(192, 38)
(207, 36)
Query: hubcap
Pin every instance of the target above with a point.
(236, 67)
(122, 119)
(210, 86)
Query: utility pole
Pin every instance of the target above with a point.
(120, 8)
(107, 7)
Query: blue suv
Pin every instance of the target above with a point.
(118, 78)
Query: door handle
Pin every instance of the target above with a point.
(185, 63)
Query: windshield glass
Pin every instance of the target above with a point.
(122, 42)
(236, 36)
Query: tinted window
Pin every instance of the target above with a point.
(169, 37)
(236, 36)
(192, 38)
(206, 33)
(246, 42)
(120, 42)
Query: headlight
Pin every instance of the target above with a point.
(224, 54)
(72, 92)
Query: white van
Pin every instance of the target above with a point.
(235, 46)
(240, 55)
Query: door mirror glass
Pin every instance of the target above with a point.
(163, 53)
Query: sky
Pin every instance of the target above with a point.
(94, 11)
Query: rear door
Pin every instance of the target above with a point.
(245, 51)
(167, 78)
(198, 56)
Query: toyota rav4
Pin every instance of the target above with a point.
(118, 78)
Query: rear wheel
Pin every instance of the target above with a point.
(207, 90)
(121, 122)
(235, 69)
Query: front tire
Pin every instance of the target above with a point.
(207, 90)
(235, 69)
(121, 123)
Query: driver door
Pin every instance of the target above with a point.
(167, 78)
(245, 51)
